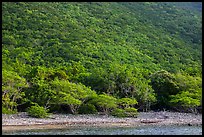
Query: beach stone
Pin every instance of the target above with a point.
(189, 124)
(160, 118)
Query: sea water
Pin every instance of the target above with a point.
(142, 130)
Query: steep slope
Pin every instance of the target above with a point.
(94, 30)
(111, 47)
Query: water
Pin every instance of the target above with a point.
(143, 130)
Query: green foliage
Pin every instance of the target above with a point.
(104, 102)
(118, 112)
(164, 84)
(87, 109)
(70, 93)
(186, 101)
(12, 85)
(177, 90)
(190, 95)
(131, 112)
(37, 111)
(127, 112)
(6, 110)
(126, 102)
(187, 82)
(67, 52)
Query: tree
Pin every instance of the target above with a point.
(164, 85)
(12, 85)
(70, 94)
(186, 101)
(104, 46)
(104, 102)
(189, 97)
(126, 102)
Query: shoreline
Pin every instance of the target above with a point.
(22, 121)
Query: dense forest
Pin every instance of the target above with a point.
(110, 57)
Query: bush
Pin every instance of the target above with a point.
(87, 109)
(186, 101)
(118, 112)
(127, 102)
(104, 102)
(37, 111)
(8, 111)
(127, 112)
(131, 112)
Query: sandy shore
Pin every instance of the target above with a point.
(22, 121)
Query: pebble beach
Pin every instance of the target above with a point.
(23, 121)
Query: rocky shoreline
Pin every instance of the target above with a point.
(23, 121)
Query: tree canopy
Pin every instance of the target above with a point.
(65, 55)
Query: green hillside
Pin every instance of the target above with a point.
(69, 56)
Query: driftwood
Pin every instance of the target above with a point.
(150, 121)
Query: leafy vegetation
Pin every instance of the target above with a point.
(37, 111)
(87, 109)
(110, 57)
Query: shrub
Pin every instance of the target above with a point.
(131, 112)
(8, 111)
(37, 111)
(87, 109)
(127, 102)
(186, 101)
(118, 112)
(127, 112)
(104, 102)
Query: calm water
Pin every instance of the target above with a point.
(144, 130)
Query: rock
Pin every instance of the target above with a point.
(150, 121)
(189, 124)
